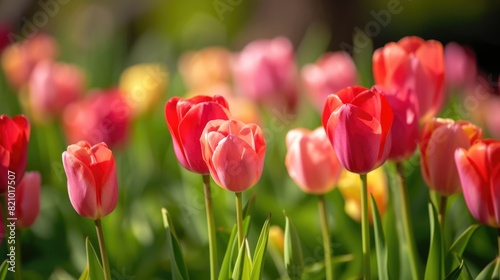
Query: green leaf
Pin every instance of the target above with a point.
(260, 251)
(434, 268)
(490, 271)
(3, 270)
(85, 274)
(458, 247)
(240, 262)
(225, 270)
(455, 273)
(95, 271)
(178, 266)
(380, 245)
(317, 269)
(247, 262)
(294, 262)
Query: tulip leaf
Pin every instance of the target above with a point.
(434, 268)
(317, 270)
(455, 273)
(294, 261)
(458, 247)
(260, 251)
(241, 270)
(95, 271)
(179, 270)
(491, 271)
(85, 274)
(380, 244)
(3, 270)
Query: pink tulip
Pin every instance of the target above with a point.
(492, 116)
(53, 86)
(186, 119)
(416, 65)
(28, 199)
(265, 72)
(479, 171)
(14, 137)
(438, 141)
(311, 160)
(105, 116)
(234, 153)
(358, 121)
(92, 183)
(331, 73)
(461, 67)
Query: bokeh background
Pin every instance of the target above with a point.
(105, 37)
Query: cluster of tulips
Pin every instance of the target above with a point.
(220, 135)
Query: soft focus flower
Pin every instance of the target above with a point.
(104, 116)
(479, 171)
(92, 183)
(492, 116)
(234, 153)
(52, 87)
(186, 119)
(461, 69)
(5, 29)
(349, 185)
(28, 199)
(277, 239)
(416, 65)
(206, 67)
(14, 137)
(438, 141)
(358, 121)
(144, 85)
(19, 59)
(265, 72)
(331, 73)
(311, 160)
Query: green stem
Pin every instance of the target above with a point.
(239, 218)
(442, 211)
(407, 227)
(18, 272)
(365, 227)
(102, 248)
(326, 238)
(212, 242)
(498, 231)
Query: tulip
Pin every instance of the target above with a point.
(52, 87)
(92, 183)
(28, 200)
(479, 172)
(438, 141)
(205, 68)
(277, 239)
(5, 30)
(416, 65)
(492, 116)
(331, 73)
(19, 59)
(265, 72)
(461, 67)
(311, 160)
(143, 85)
(234, 153)
(14, 137)
(186, 119)
(349, 184)
(357, 122)
(104, 116)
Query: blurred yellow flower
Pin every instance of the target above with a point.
(349, 185)
(277, 239)
(143, 85)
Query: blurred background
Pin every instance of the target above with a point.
(103, 38)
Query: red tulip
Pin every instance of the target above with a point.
(234, 153)
(311, 160)
(53, 86)
(461, 70)
(413, 64)
(14, 137)
(479, 171)
(186, 119)
(105, 116)
(265, 71)
(92, 183)
(438, 141)
(28, 199)
(331, 73)
(358, 121)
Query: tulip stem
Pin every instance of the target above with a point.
(442, 211)
(498, 233)
(212, 241)
(18, 272)
(239, 218)
(102, 248)
(407, 227)
(326, 238)
(365, 227)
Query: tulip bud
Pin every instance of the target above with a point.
(311, 160)
(234, 153)
(28, 199)
(92, 183)
(438, 141)
(479, 172)
(14, 137)
(205, 68)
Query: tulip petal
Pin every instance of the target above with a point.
(333, 102)
(107, 192)
(493, 154)
(28, 199)
(396, 64)
(411, 43)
